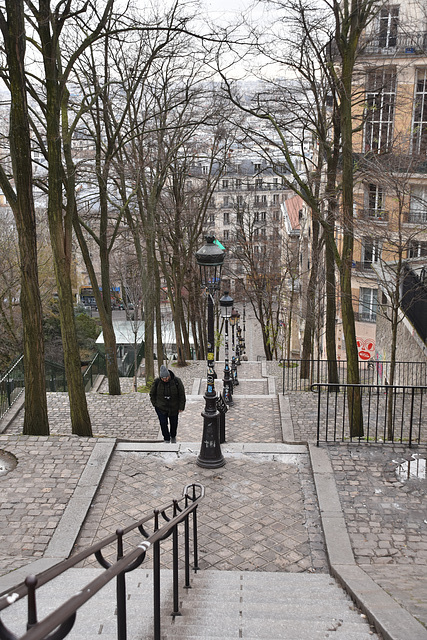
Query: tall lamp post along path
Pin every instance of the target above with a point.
(210, 259)
(226, 304)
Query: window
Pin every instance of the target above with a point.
(225, 184)
(418, 205)
(226, 217)
(240, 200)
(257, 166)
(263, 199)
(256, 233)
(389, 21)
(263, 232)
(256, 216)
(368, 304)
(419, 132)
(226, 235)
(263, 216)
(380, 99)
(205, 169)
(225, 201)
(258, 183)
(417, 250)
(375, 201)
(212, 218)
(238, 183)
(371, 252)
(276, 198)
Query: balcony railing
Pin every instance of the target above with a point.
(365, 316)
(265, 186)
(402, 43)
(417, 217)
(378, 215)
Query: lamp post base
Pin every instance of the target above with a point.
(210, 456)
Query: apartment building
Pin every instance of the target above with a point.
(244, 214)
(391, 181)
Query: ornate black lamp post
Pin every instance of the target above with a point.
(244, 332)
(226, 303)
(235, 315)
(210, 259)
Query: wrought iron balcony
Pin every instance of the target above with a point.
(378, 215)
(417, 217)
(408, 43)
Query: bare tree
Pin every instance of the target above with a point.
(18, 189)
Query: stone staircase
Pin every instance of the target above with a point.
(220, 604)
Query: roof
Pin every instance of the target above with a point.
(291, 209)
(124, 332)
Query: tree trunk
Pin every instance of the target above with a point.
(354, 395)
(36, 415)
(310, 319)
(60, 228)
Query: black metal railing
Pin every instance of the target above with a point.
(63, 618)
(299, 375)
(56, 379)
(11, 385)
(95, 368)
(407, 42)
(389, 414)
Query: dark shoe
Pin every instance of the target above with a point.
(173, 440)
(166, 440)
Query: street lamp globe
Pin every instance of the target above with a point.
(210, 259)
(226, 305)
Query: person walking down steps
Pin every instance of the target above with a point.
(167, 395)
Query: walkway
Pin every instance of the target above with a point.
(275, 507)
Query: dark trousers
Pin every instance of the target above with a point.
(173, 422)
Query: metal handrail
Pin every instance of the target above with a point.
(389, 413)
(299, 375)
(63, 618)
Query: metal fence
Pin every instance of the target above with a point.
(388, 414)
(300, 375)
(12, 383)
(180, 513)
(96, 367)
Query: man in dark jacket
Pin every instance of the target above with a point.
(167, 395)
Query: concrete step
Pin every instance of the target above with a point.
(220, 604)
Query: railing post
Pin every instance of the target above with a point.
(156, 579)
(187, 584)
(121, 592)
(195, 542)
(412, 416)
(31, 584)
(176, 611)
(318, 415)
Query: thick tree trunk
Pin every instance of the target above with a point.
(354, 396)
(310, 315)
(36, 415)
(60, 228)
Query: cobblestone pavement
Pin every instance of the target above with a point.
(259, 512)
(36, 492)
(384, 506)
